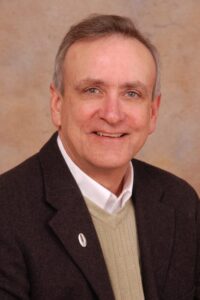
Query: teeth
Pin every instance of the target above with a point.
(113, 135)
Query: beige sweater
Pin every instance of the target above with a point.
(118, 238)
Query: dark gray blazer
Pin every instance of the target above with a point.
(42, 212)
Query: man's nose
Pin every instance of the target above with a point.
(111, 110)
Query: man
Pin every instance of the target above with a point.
(79, 220)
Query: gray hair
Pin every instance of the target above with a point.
(96, 26)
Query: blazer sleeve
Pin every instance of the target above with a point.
(197, 282)
(14, 283)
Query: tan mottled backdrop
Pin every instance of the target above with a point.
(30, 32)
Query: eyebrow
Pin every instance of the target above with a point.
(98, 82)
(135, 85)
(89, 81)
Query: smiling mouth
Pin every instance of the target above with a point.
(110, 135)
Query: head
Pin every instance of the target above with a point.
(105, 94)
(97, 26)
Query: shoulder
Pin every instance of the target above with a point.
(175, 189)
(159, 175)
(21, 197)
(23, 174)
(28, 173)
(21, 187)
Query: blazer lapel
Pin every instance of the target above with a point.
(72, 218)
(156, 228)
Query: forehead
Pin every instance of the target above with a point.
(110, 56)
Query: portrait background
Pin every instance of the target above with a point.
(30, 34)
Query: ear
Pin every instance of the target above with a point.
(56, 105)
(155, 105)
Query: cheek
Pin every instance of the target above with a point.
(140, 119)
(75, 120)
(84, 115)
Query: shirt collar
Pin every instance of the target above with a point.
(94, 191)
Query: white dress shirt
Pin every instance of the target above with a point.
(94, 191)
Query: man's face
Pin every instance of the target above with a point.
(107, 111)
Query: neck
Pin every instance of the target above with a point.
(112, 180)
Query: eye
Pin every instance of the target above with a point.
(92, 90)
(132, 94)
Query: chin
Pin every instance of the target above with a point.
(110, 163)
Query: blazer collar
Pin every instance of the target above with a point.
(72, 218)
(156, 228)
